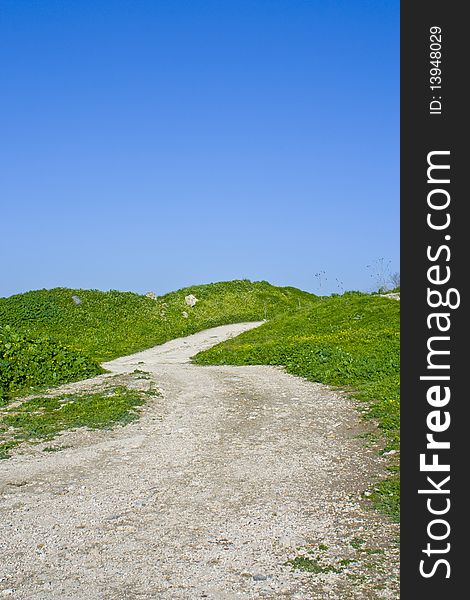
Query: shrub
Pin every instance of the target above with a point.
(27, 361)
(110, 324)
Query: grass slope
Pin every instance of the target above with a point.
(27, 362)
(348, 341)
(110, 324)
(43, 418)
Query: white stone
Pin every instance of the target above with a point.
(190, 300)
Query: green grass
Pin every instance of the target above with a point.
(110, 324)
(350, 341)
(45, 417)
(357, 565)
(311, 565)
(387, 497)
(357, 543)
(27, 361)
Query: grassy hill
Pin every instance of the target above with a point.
(28, 361)
(350, 341)
(46, 338)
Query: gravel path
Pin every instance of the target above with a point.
(229, 473)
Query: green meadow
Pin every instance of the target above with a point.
(351, 341)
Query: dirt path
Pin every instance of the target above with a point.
(227, 475)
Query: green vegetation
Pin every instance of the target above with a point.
(111, 324)
(357, 543)
(44, 418)
(349, 341)
(52, 340)
(345, 562)
(47, 338)
(27, 361)
(386, 497)
(311, 565)
(357, 565)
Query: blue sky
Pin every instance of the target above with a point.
(151, 145)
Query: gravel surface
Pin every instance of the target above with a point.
(228, 474)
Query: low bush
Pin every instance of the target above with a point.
(106, 325)
(27, 361)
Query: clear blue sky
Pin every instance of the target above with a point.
(150, 144)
